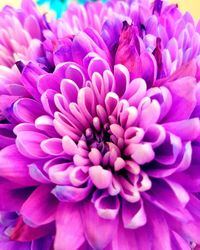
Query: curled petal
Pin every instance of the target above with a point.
(133, 215)
(107, 206)
(100, 177)
(72, 194)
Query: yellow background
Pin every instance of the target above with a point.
(185, 5)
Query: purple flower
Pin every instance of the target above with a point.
(103, 151)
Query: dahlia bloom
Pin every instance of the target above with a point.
(103, 151)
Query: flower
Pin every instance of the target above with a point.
(18, 42)
(112, 151)
(104, 152)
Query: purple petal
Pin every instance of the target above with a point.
(124, 239)
(158, 226)
(48, 81)
(162, 191)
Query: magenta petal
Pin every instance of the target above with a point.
(52, 146)
(75, 74)
(187, 130)
(30, 75)
(48, 81)
(101, 178)
(124, 239)
(69, 228)
(24, 233)
(183, 98)
(12, 198)
(27, 140)
(149, 68)
(7, 136)
(179, 243)
(107, 206)
(40, 207)
(163, 191)
(13, 245)
(70, 193)
(27, 110)
(158, 226)
(95, 227)
(122, 79)
(14, 167)
(133, 215)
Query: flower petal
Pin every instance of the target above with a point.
(14, 167)
(95, 227)
(133, 215)
(40, 207)
(69, 228)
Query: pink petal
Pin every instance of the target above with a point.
(100, 177)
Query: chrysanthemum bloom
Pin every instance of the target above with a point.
(158, 27)
(107, 146)
(18, 41)
(118, 156)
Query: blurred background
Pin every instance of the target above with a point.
(192, 6)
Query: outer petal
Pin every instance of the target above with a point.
(40, 207)
(23, 232)
(12, 198)
(69, 228)
(183, 98)
(124, 239)
(14, 167)
(164, 191)
(99, 232)
(133, 215)
(158, 226)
